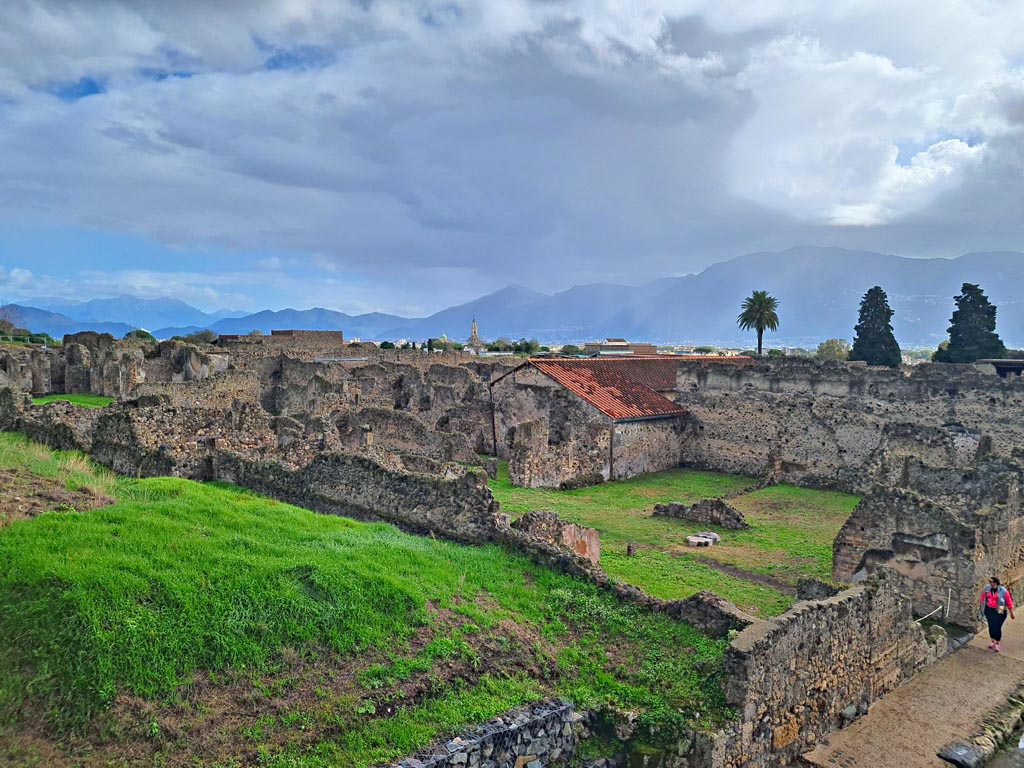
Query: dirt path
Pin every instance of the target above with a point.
(946, 701)
(740, 573)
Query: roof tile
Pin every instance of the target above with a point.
(616, 387)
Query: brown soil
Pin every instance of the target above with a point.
(740, 573)
(24, 495)
(229, 718)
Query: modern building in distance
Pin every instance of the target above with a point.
(619, 347)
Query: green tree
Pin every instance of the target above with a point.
(387, 345)
(833, 349)
(759, 314)
(571, 349)
(972, 329)
(704, 350)
(140, 335)
(874, 342)
(201, 337)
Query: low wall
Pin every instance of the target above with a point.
(460, 509)
(708, 511)
(548, 526)
(535, 737)
(802, 675)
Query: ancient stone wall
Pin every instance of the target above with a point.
(814, 669)
(547, 526)
(943, 532)
(29, 369)
(642, 447)
(545, 734)
(552, 438)
(843, 426)
(709, 511)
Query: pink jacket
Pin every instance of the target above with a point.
(990, 597)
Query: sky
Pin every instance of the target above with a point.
(405, 156)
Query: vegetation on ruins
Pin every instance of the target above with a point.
(83, 401)
(833, 349)
(139, 335)
(387, 345)
(972, 329)
(759, 314)
(199, 337)
(203, 623)
(874, 341)
(758, 569)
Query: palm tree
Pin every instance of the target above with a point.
(759, 314)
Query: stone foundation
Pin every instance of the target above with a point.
(542, 735)
(710, 511)
(547, 526)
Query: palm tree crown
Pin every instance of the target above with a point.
(759, 314)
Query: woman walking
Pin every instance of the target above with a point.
(996, 600)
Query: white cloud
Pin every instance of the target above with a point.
(508, 140)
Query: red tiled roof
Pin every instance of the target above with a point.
(657, 372)
(609, 386)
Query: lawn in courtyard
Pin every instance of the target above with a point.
(791, 534)
(83, 401)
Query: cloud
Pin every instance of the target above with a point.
(410, 146)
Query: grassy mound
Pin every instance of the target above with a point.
(83, 401)
(205, 620)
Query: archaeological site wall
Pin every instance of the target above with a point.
(545, 734)
(942, 532)
(844, 426)
(802, 675)
(553, 438)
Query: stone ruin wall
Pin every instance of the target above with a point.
(246, 446)
(943, 533)
(549, 527)
(552, 438)
(96, 364)
(645, 446)
(843, 426)
(545, 734)
(804, 674)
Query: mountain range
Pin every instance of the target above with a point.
(819, 291)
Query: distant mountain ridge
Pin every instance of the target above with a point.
(819, 292)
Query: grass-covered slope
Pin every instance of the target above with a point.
(193, 622)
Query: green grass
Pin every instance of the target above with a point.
(790, 538)
(83, 401)
(601, 503)
(178, 578)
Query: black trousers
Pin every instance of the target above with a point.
(995, 621)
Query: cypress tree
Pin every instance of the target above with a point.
(972, 329)
(875, 343)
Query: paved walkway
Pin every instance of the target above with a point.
(945, 702)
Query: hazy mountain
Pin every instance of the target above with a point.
(368, 326)
(819, 291)
(139, 313)
(55, 324)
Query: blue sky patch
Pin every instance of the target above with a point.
(80, 89)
